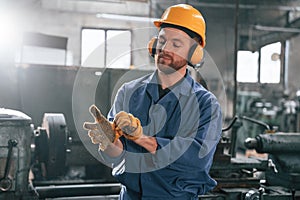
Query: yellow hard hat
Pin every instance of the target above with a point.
(185, 16)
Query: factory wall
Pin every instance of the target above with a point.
(39, 89)
(69, 25)
(220, 48)
(294, 68)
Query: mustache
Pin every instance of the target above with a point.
(164, 55)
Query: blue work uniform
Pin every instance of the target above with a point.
(186, 123)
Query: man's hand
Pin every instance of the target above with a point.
(130, 125)
(101, 131)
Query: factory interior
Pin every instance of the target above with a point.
(59, 57)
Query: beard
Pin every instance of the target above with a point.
(168, 65)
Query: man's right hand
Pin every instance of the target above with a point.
(101, 131)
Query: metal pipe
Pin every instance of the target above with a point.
(236, 34)
(267, 127)
(246, 6)
(275, 143)
(52, 191)
(230, 125)
(286, 66)
(276, 29)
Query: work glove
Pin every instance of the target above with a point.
(130, 125)
(101, 131)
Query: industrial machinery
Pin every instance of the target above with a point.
(37, 163)
(62, 166)
(48, 162)
(15, 140)
(283, 150)
(273, 173)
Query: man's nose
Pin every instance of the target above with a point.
(166, 47)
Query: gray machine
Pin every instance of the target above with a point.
(44, 152)
(15, 154)
(36, 163)
(283, 150)
(274, 176)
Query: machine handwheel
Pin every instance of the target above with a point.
(55, 126)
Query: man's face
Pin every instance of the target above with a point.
(172, 50)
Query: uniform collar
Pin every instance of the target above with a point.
(185, 87)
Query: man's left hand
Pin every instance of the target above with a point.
(130, 125)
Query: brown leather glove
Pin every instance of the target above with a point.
(130, 125)
(101, 131)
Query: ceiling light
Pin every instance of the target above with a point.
(125, 17)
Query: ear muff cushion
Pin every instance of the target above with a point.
(195, 54)
(152, 46)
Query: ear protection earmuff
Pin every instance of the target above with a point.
(195, 53)
(152, 46)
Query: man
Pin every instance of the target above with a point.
(165, 126)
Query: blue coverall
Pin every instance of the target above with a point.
(187, 124)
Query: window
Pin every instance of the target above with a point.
(106, 48)
(247, 66)
(92, 48)
(267, 70)
(270, 63)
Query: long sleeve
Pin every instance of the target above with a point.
(186, 123)
(197, 139)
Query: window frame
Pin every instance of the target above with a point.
(281, 70)
(105, 42)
